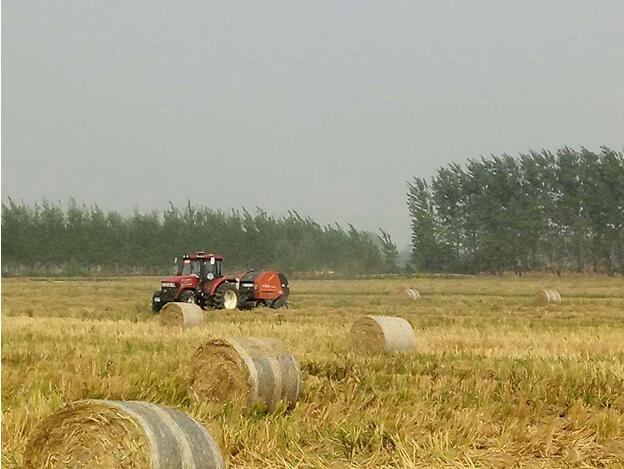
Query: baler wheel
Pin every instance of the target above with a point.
(279, 302)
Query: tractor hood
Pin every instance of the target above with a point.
(182, 280)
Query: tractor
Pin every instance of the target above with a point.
(200, 280)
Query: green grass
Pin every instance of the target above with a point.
(496, 381)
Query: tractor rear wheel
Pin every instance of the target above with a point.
(226, 297)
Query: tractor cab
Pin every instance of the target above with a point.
(202, 265)
(199, 272)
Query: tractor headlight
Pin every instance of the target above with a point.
(167, 284)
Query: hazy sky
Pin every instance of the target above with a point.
(328, 107)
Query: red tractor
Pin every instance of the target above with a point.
(200, 280)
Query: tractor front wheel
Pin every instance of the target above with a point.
(187, 296)
(226, 297)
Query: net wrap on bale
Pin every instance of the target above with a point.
(549, 296)
(383, 334)
(246, 370)
(181, 314)
(121, 434)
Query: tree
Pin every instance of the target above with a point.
(388, 250)
(421, 209)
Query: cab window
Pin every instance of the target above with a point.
(191, 267)
(208, 268)
(214, 269)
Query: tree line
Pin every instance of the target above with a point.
(49, 238)
(561, 210)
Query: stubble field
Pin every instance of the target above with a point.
(495, 381)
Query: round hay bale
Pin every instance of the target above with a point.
(121, 434)
(246, 370)
(548, 296)
(383, 334)
(181, 315)
(412, 293)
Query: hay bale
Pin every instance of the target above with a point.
(383, 334)
(548, 296)
(121, 434)
(412, 293)
(181, 315)
(245, 370)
